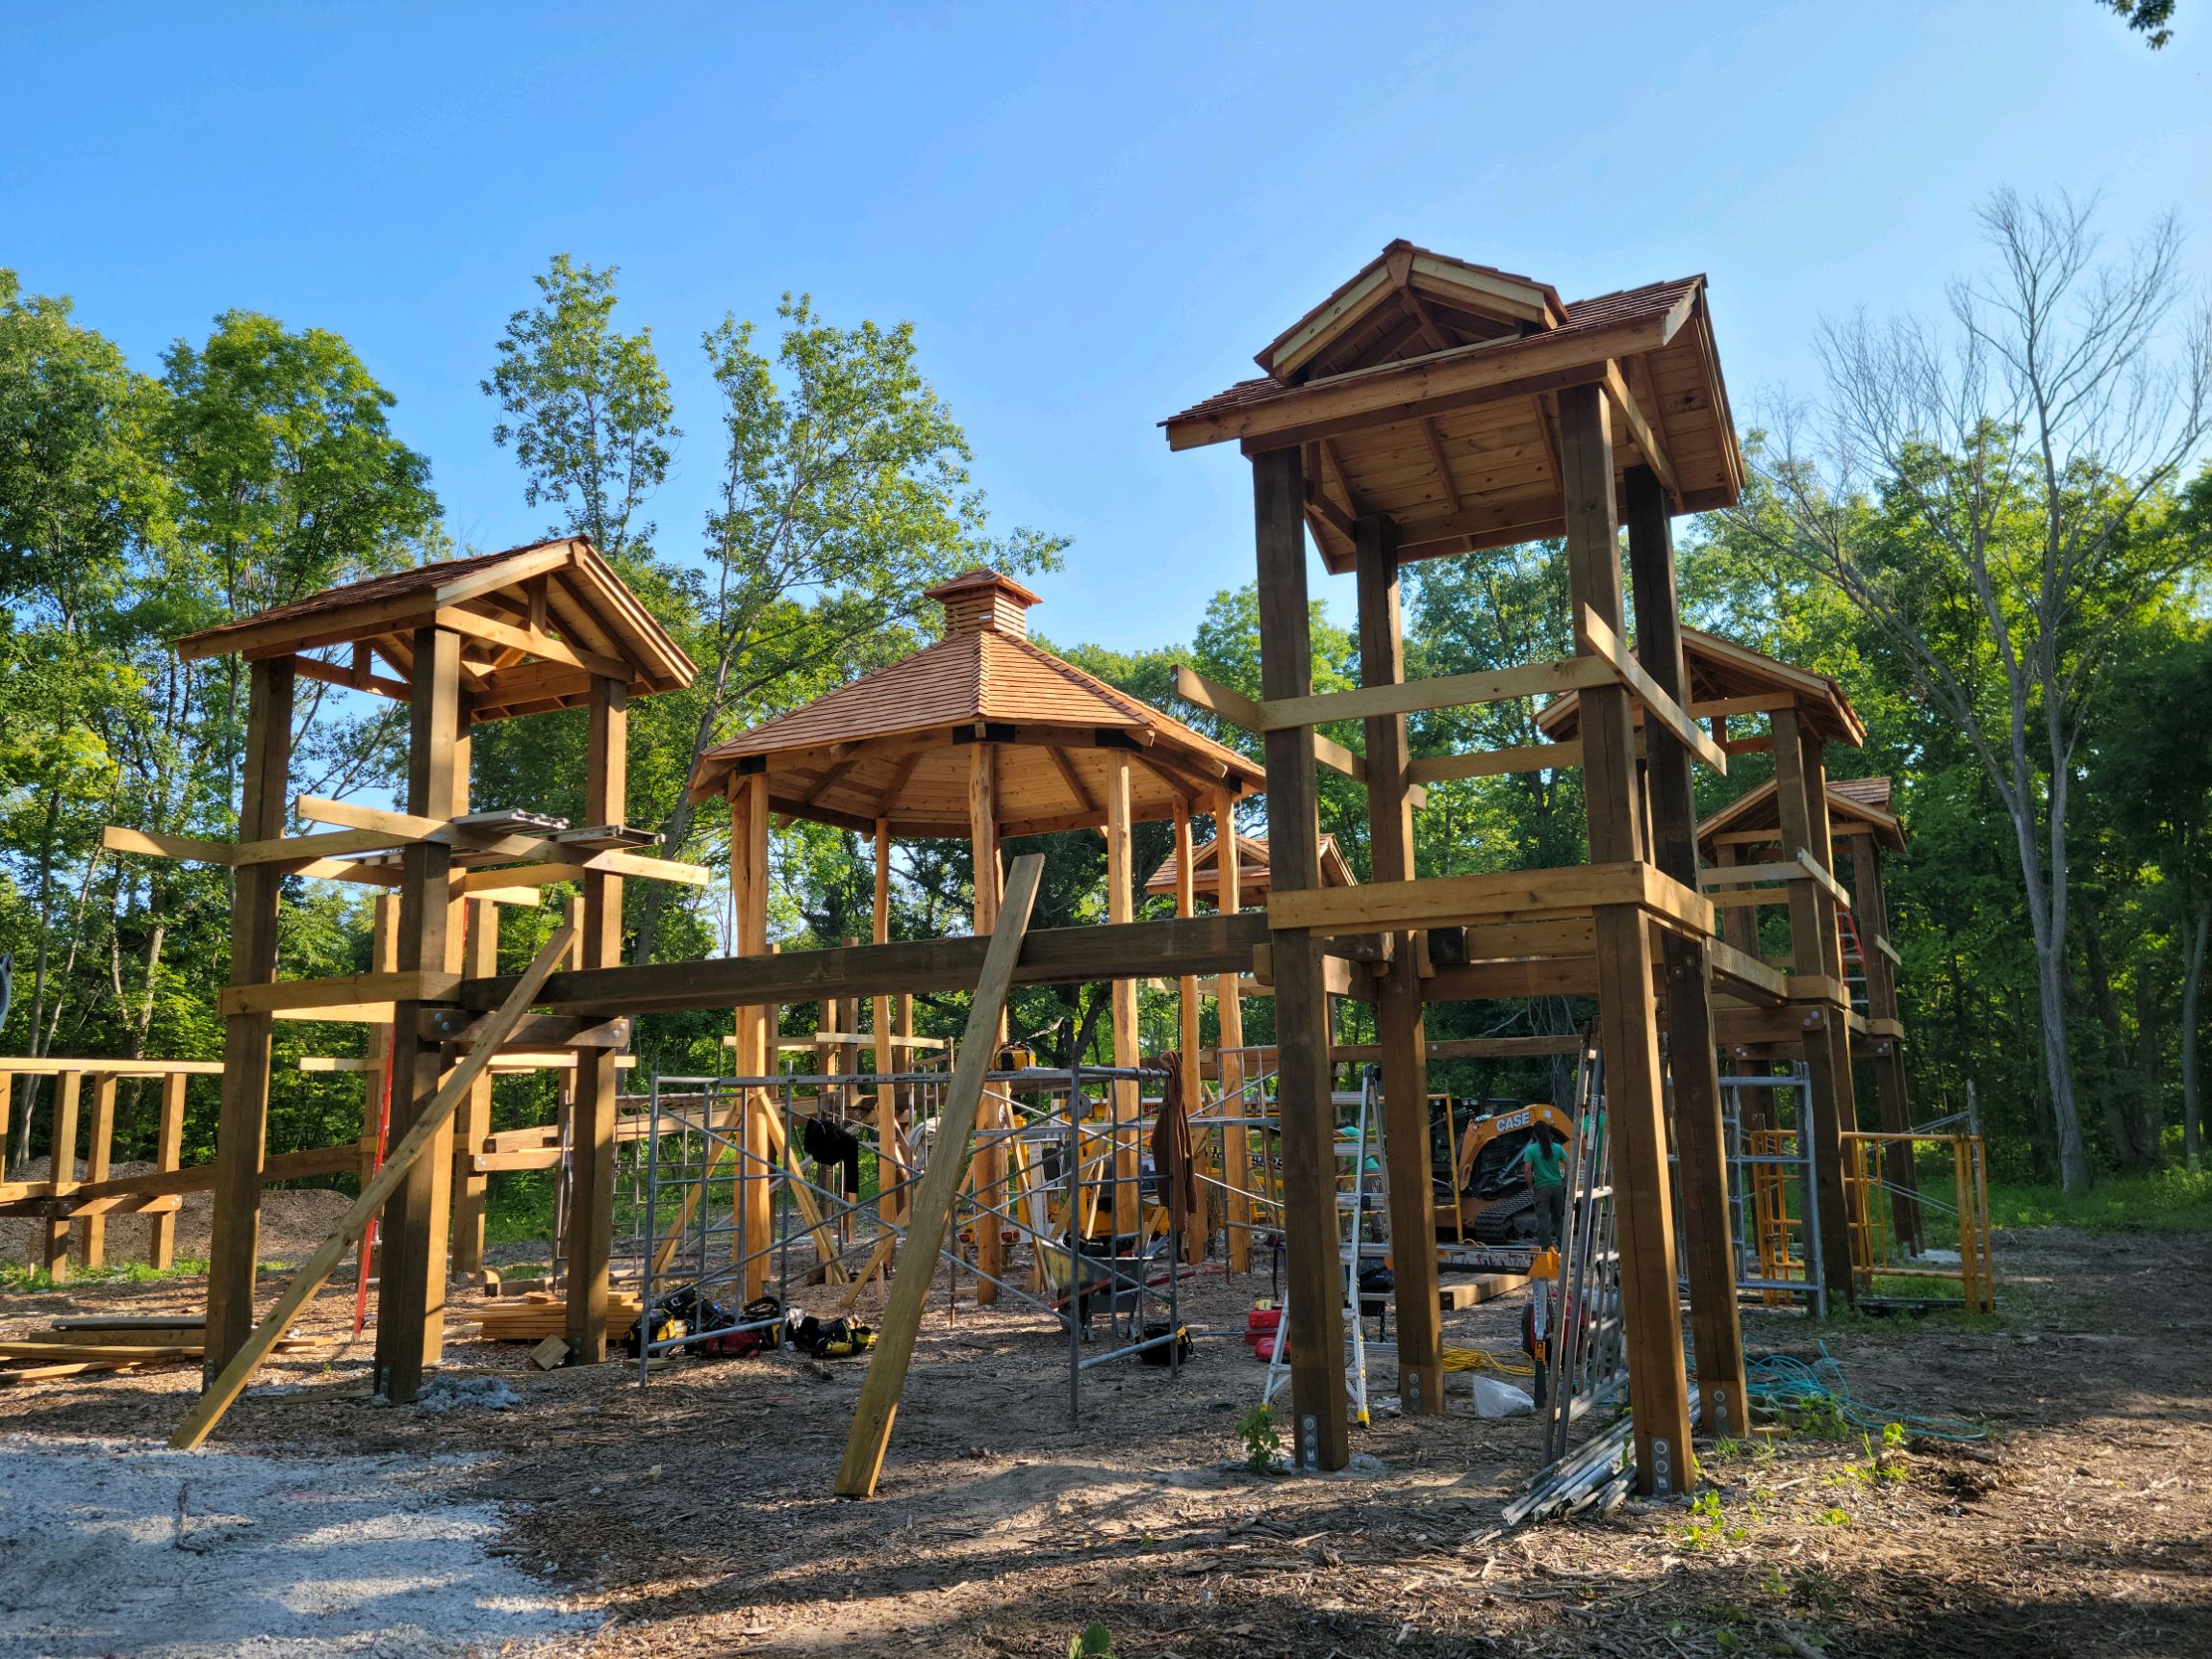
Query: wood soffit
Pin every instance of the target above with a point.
(1424, 390)
(538, 624)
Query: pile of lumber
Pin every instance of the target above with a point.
(94, 1344)
(539, 1314)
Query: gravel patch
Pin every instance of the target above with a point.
(111, 1546)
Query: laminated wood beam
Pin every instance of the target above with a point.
(1213, 944)
(591, 1206)
(1518, 895)
(1444, 691)
(1304, 1105)
(242, 1123)
(1398, 1011)
(1701, 1153)
(1495, 762)
(223, 1391)
(1659, 1390)
(878, 1408)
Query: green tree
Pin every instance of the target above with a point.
(592, 416)
(1982, 501)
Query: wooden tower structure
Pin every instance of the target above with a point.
(463, 642)
(1431, 407)
(984, 735)
(1804, 1009)
(1861, 820)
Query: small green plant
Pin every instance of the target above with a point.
(1093, 1643)
(1819, 1419)
(1833, 1517)
(1705, 1525)
(1262, 1443)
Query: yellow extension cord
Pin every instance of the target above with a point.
(1483, 1360)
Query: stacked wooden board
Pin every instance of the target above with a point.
(536, 1315)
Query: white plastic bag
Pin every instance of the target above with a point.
(1496, 1399)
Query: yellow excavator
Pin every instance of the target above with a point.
(1481, 1196)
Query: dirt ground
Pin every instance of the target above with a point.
(694, 1514)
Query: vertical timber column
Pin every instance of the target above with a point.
(1236, 1152)
(382, 959)
(890, 1159)
(474, 1122)
(1195, 1232)
(241, 1126)
(591, 1141)
(1692, 1055)
(1128, 1104)
(439, 1156)
(1398, 1017)
(1887, 1059)
(1738, 923)
(411, 1272)
(62, 1171)
(99, 1152)
(990, 1164)
(1315, 1282)
(1659, 1389)
(169, 1146)
(1812, 952)
(755, 1054)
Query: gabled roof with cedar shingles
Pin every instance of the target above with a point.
(895, 744)
(1722, 672)
(538, 624)
(1252, 870)
(1854, 803)
(1426, 390)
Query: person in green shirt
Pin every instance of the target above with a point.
(1544, 1166)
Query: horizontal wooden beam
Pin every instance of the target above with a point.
(1508, 895)
(300, 1165)
(1746, 975)
(1469, 1048)
(1444, 691)
(1497, 763)
(1591, 630)
(50, 1065)
(411, 986)
(1210, 944)
(1240, 710)
(1407, 390)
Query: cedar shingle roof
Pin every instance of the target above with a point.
(1852, 802)
(563, 587)
(1719, 669)
(895, 744)
(1583, 317)
(1252, 870)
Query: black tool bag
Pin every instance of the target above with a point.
(829, 1143)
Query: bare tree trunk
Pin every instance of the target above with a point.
(2192, 986)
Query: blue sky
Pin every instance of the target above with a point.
(1093, 215)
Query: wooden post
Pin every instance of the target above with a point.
(1127, 1101)
(1814, 951)
(411, 1272)
(99, 1154)
(242, 1124)
(7, 1107)
(1692, 1055)
(1196, 1234)
(878, 1404)
(1659, 1389)
(61, 1172)
(592, 1161)
(990, 1161)
(1871, 911)
(1738, 923)
(226, 1387)
(1316, 1283)
(382, 959)
(1399, 1025)
(1235, 1151)
(474, 1122)
(755, 1054)
(890, 1159)
(168, 1151)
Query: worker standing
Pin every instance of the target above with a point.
(1544, 1166)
